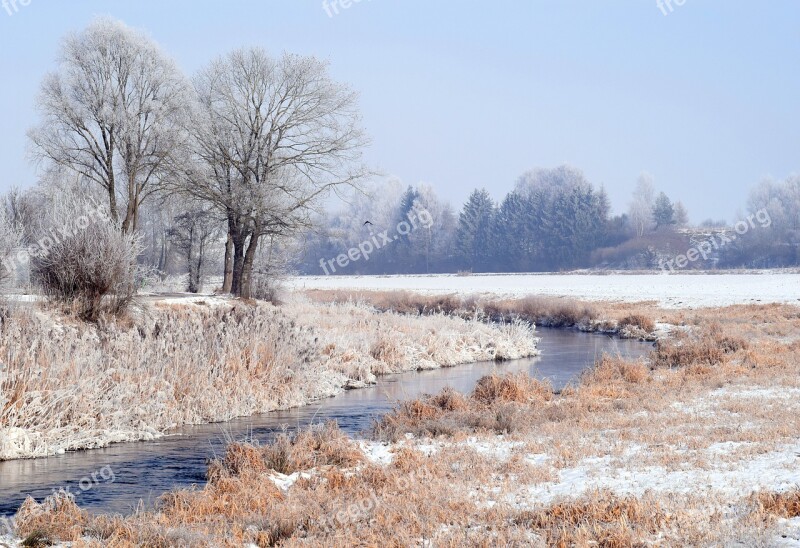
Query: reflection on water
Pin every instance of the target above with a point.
(142, 471)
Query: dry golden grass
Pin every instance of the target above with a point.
(513, 464)
(496, 405)
(625, 319)
(782, 505)
(519, 388)
(611, 370)
(318, 446)
(71, 386)
(542, 310)
(642, 321)
(706, 346)
(597, 519)
(546, 311)
(57, 518)
(402, 302)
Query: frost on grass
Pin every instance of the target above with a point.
(660, 453)
(667, 453)
(68, 385)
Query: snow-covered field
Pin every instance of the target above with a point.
(669, 290)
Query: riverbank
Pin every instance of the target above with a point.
(70, 386)
(697, 446)
(680, 290)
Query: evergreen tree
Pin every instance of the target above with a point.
(405, 258)
(663, 211)
(513, 234)
(474, 241)
(407, 201)
(681, 216)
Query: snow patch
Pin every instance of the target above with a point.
(377, 453)
(788, 533)
(498, 448)
(772, 471)
(284, 482)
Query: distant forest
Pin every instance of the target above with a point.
(553, 220)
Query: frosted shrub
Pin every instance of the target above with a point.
(9, 240)
(267, 287)
(269, 271)
(85, 262)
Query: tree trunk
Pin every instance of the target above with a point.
(112, 202)
(112, 182)
(190, 260)
(227, 282)
(162, 258)
(198, 280)
(129, 223)
(246, 288)
(239, 241)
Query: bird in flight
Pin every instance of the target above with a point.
(367, 223)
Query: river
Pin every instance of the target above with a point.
(115, 479)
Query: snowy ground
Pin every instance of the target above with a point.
(669, 290)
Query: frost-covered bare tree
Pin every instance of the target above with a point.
(550, 181)
(10, 238)
(156, 220)
(115, 111)
(193, 233)
(434, 239)
(774, 240)
(19, 208)
(275, 136)
(640, 212)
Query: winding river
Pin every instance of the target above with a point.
(116, 478)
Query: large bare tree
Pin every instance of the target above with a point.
(115, 112)
(274, 136)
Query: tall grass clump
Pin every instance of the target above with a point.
(599, 518)
(499, 403)
(784, 505)
(709, 346)
(640, 321)
(545, 311)
(536, 309)
(318, 445)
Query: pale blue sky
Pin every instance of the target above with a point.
(464, 94)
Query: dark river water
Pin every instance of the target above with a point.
(116, 478)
